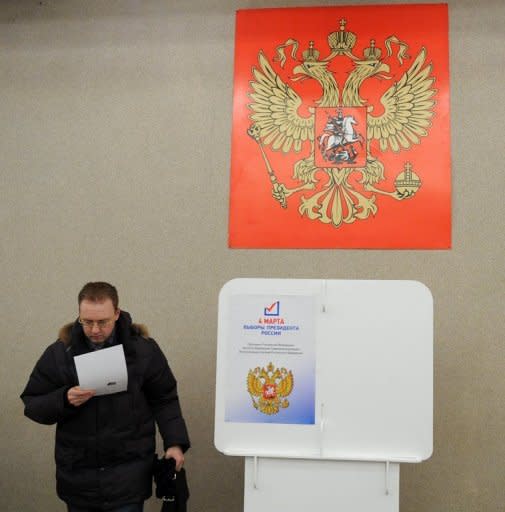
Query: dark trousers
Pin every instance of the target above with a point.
(132, 507)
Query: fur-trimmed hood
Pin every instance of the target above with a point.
(65, 333)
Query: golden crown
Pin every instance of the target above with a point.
(372, 53)
(341, 41)
(311, 54)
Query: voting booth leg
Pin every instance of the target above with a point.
(301, 485)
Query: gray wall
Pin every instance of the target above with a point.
(100, 103)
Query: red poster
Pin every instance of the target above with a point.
(341, 128)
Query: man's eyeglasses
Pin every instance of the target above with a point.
(99, 323)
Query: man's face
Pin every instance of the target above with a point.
(97, 319)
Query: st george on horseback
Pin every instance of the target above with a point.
(336, 143)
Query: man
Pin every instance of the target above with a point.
(105, 444)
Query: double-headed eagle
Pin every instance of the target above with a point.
(269, 388)
(280, 124)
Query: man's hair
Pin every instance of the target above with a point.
(98, 292)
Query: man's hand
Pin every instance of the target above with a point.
(77, 396)
(175, 452)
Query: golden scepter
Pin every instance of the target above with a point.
(278, 191)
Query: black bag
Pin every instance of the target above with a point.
(171, 485)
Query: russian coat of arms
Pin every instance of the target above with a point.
(269, 387)
(340, 135)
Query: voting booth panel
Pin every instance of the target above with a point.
(371, 346)
(329, 371)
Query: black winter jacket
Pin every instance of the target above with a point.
(104, 448)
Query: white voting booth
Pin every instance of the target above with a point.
(325, 387)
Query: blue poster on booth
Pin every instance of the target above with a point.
(271, 360)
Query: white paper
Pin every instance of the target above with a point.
(103, 370)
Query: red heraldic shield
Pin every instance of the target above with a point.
(340, 135)
(340, 132)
